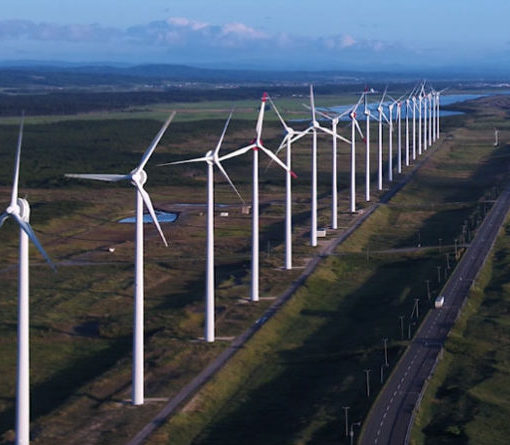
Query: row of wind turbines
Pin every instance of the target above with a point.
(425, 131)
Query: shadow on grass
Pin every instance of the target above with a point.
(300, 388)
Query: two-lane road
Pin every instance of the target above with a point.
(392, 414)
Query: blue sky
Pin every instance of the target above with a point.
(265, 33)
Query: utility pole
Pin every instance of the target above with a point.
(346, 409)
(352, 431)
(385, 341)
(455, 247)
(401, 327)
(415, 308)
(367, 372)
(438, 274)
(428, 289)
(409, 330)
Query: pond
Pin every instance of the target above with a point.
(163, 217)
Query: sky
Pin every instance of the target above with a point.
(280, 34)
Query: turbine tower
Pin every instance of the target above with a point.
(291, 136)
(315, 127)
(367, 152)
(354, 126)
(254, 147)
(380, 150)
(211, 159)
(19, 210)
(137, 177)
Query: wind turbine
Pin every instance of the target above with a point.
(399, 150)
(425, 130)
(407, 130)
(254, 147)
(354, 126)
(429, 97)
(414, 126)
(390, 142)
(19, 210)
(315, 126)
(434, 115)
(137, 177)
(380, 150)
(212, 159)
(367, 152)
(291, 136)
(420, 101)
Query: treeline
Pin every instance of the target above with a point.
(54, 103)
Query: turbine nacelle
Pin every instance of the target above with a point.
(138, 177)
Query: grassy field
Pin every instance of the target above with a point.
(467, 400)
(81, 317)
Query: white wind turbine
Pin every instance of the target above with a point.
(212, 159)
(314, 128)
(19, 210)
(137, 177)
(380, 149)
(354, 126)
(367, 152)
(254, 147)
(291, 136)
(399, 148)
(434, 115)
(425, 130)
(414, 126)
(408, 106)
(420, 107)
(390, 141)
(429, 98)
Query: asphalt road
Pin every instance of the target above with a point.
(391, 417)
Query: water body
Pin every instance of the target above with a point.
(446, 99)
(162, 217)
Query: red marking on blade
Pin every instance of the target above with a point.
(253, 141)
(264, 97)
(365, 140)
(293, 174)
(353, 114)
(255, 148)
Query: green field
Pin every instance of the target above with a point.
(81, 316)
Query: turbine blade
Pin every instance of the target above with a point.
(155, 142)
(217, 149)
(312, 102)
(260, 119)
(98, 176)
(359, 129)
(30, 233)
(301, 135)
(148, 203)
(15, 182)
(278, 114)
(384, 95)
(274, 157)
(222, 170)
(330, 132)
(3, 217)
(238, 152)
(187, 161)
